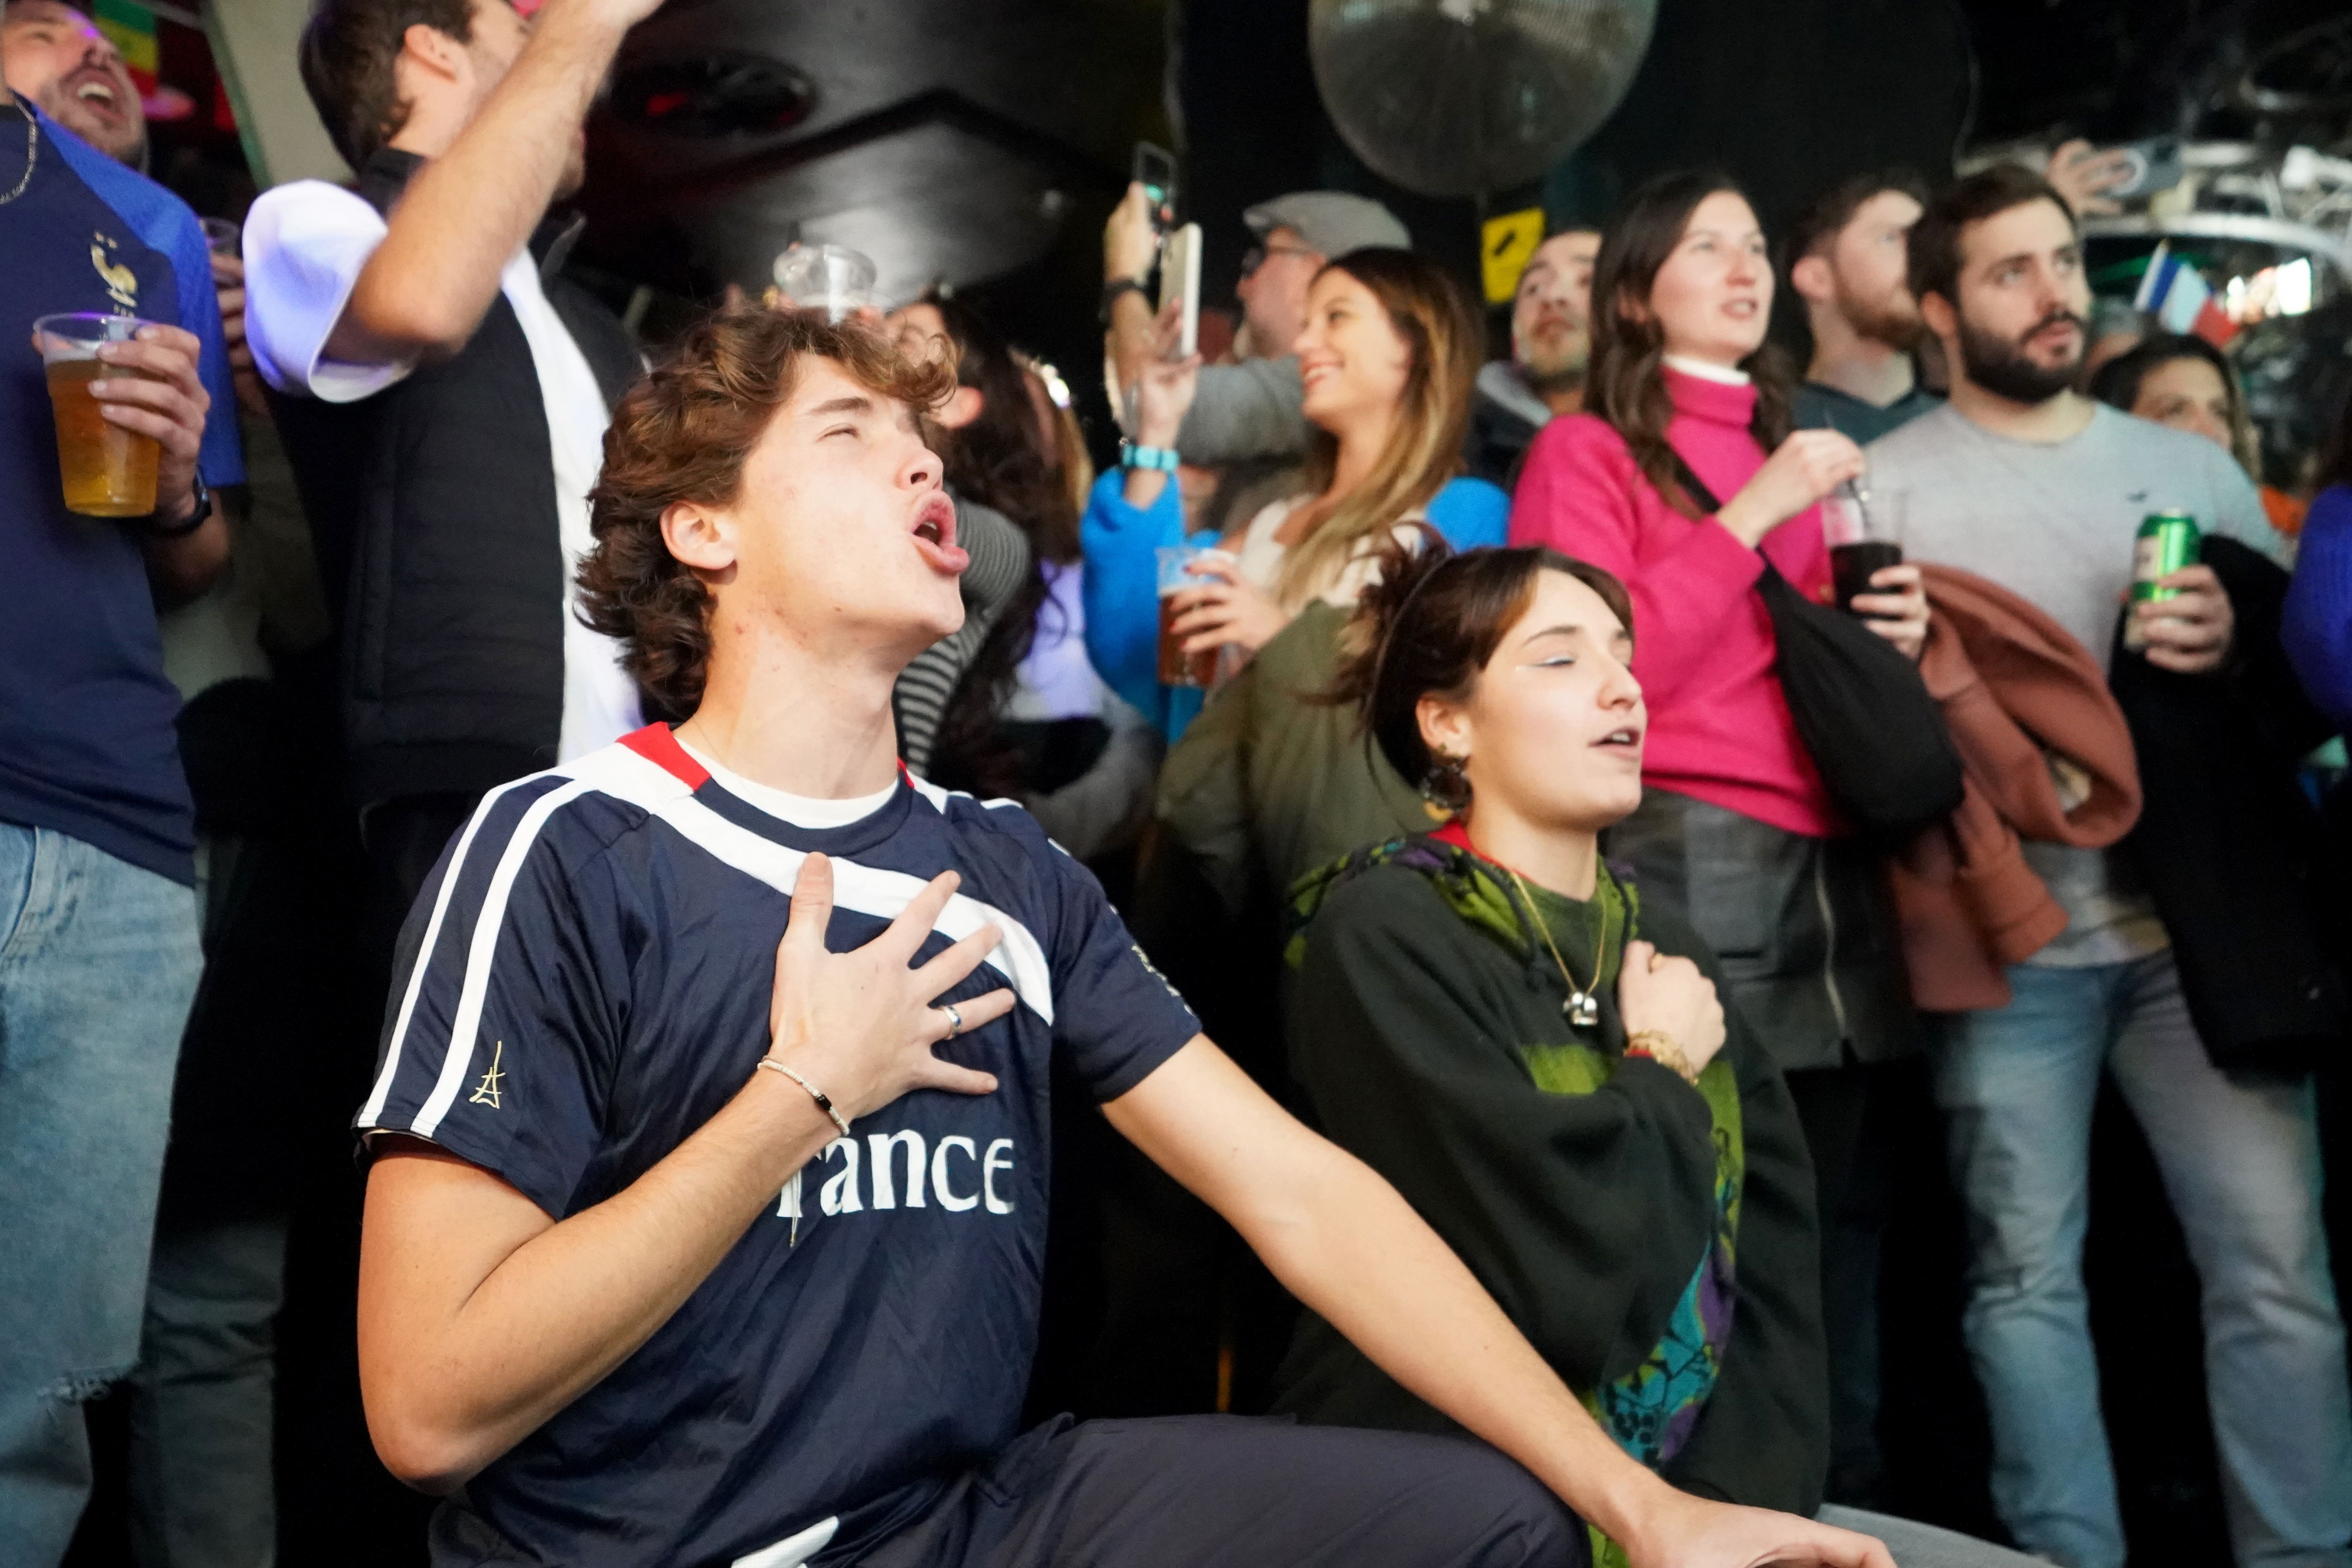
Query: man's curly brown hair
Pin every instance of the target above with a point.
(682, 434)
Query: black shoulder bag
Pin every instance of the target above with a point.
(1861, 708)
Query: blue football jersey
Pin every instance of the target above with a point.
(586, 981)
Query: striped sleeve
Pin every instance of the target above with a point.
(498, 1038)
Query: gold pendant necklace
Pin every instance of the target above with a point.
(1582, 1008)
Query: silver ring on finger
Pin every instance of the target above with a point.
(955, 1019)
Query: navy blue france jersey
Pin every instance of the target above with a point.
(586, 981)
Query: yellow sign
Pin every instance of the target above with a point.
(1506, 244)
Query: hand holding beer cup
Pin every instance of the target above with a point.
(130, 413)
(1226, 610)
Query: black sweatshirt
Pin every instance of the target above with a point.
(1425, 1027)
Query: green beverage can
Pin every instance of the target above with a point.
(2167, 542)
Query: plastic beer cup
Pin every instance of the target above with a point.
(1178, 667)
(833, 279)
(107, 471)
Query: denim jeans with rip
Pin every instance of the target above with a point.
(98, 964)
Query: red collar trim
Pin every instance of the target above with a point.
(1458, 836)
(659, 746)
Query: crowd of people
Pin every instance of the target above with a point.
(772, 737)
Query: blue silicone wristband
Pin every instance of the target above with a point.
(1131, 456)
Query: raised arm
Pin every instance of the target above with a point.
(1342, 1241)
(1131, 249)
(424, 290)
(480, 1316)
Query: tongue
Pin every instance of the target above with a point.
(947, 558)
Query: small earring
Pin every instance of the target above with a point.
(1447, 787)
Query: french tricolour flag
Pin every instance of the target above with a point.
(2177, 297)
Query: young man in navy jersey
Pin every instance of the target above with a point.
(686, 1245)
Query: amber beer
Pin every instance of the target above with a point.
(107, 471)
(1178, 667)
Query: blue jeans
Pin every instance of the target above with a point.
(2239, 1156)
(98, 964)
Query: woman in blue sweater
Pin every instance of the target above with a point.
(1387, 357)
(2317, 628)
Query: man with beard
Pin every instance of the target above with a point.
(2024, 480)
(1551, 338)
(55, 55)
(1846, 262)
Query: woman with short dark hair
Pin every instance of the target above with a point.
(1538, 1056)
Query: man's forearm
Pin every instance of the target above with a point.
(181, 568)
(469, 210)
(448, 1392)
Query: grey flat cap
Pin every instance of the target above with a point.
(1332, 222)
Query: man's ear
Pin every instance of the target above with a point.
(1938, 313)
(1811, 276)
(427, 48)
(698, 536)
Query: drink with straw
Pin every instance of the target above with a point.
(107, 471)
(1865, 536)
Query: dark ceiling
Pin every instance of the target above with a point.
(980, 143)
(950, 140)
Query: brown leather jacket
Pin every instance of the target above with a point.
(2018, 691)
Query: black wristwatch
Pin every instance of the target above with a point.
(197, 515)
(1115, 287)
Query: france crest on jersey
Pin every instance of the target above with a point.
(586, 981)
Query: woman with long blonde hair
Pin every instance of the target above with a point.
(1387, 357)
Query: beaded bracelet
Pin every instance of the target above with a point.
(824, 1104)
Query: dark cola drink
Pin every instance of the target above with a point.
(1852, 566)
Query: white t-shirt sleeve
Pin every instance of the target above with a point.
(305, 244)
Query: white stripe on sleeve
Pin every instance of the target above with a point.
(458, 1063)
(374, 1108)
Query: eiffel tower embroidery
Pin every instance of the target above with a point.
(487, 1091)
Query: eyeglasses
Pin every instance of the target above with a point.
(1258, 256)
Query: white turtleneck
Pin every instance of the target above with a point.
(1705, 370)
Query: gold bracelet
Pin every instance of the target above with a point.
(1660, 1047)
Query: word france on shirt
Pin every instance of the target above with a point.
(895, 1169)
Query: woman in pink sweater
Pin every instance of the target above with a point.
(1735, 825)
